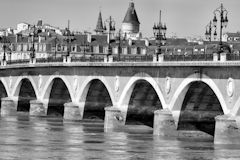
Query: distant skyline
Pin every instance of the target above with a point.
(183, 17)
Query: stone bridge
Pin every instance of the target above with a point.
(175, 98)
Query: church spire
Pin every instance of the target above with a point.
(99, 27)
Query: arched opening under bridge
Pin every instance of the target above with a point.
(96, 100)
(59, 95)
(143, 102)
(199, 109)
(26, 94)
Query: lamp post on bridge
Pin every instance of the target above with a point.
(118, 42)
(69, 38)
(209, 29)
(6, 46)
(223, 23)
(33, 34)
(111, 29)
(55, 50)
(159, 32)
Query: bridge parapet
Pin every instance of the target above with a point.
(215, 57)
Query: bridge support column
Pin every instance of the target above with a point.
(8, 107)
(37, 108)
(113, 119)
(164, 123)
(226, 130)
(72, 112)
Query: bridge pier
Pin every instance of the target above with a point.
(72, 112)
(164, 123)
(113, 119)
(226, 130)
(37, 108)
(8, 107)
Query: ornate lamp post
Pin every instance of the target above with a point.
(208, 32)
(223, 21)
(159, 31)
(111, 29)
(6, 44)
(33, 34)
(55, 42)
(85, 44)
(69, 38)
(118, 42)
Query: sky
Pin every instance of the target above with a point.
(183, 18)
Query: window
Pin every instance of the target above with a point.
(74, 49)
(59, 47)
(124, 50)
(95, 49)
(133, 51)
(143, 51)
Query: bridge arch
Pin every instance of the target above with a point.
(196, 103)
(25, 90)
(3, 90)
(56, 93)
(82, 93)
(18, 84)
(181, 91)
(236, 108)
(3, 81)
(127, 91)
(48, 86)
(140, 98)
(94, 95)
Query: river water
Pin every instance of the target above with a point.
(24, 137)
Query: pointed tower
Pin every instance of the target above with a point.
(99, 27)
(130, 24)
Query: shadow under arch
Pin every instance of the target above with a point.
(58, 95)
(95, 97)
(85, 86)
(140, 98)
(26, 93)
(196, 103)
(18, 84)
(48, 86)
(3, 92)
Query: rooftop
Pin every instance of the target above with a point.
(131, 15)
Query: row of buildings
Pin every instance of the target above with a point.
(49, 41)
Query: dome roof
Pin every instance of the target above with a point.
(131, 15)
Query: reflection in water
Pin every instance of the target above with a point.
(48, 138)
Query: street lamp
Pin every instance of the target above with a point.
(223, 21)
(33, 34)
(6, 44)
(68, 37)
(85, 44)
(56, 41)
(118, 42)
(159, 32)
(208, 32)
(111, 29)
